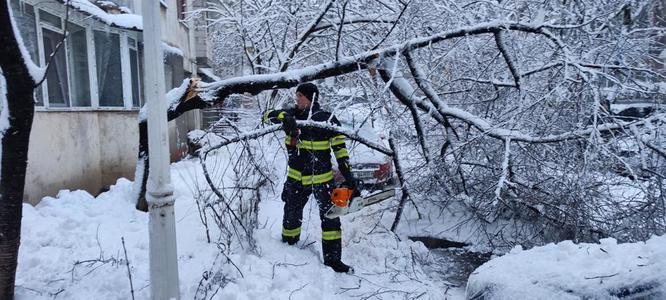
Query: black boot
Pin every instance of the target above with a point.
(340, 267)
(291, 240)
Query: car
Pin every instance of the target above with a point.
(372, 167)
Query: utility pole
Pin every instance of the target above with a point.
(159, 194)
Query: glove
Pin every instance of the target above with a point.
(353, 183)
(289, 124)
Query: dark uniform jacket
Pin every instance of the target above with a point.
(310, 152)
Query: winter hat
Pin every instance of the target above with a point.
(309, 90)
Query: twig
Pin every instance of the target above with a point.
(285, 264)
(602, 276)
(298, 289)
(129, 273)
(401, 181)
(58, 46)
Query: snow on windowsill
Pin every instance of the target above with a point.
(128, 21)
(171, 50)
(85, 109)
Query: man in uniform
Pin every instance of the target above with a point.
(310, 171)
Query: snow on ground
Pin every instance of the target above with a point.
(575, 271)
(71, 247)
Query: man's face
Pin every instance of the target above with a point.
(302, 102)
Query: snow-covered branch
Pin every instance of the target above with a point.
(499, 40)
(351, 134)
(304, 35)
(257, 83)
(505, 170)
(354, 20)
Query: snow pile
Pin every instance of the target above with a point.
(71, 247)
(129, 21)
(575, 271)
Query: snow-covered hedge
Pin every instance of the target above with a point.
(575, 271)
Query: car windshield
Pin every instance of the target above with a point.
(361, 154)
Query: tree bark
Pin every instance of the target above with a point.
(20, 103)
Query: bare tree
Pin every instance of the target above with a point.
(507, 101)
(19, 110)
(20, 77)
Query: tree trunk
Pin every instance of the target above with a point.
(20, 86)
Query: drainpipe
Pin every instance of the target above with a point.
(159, 194)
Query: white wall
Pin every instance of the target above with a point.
(173, 32)
(80, 150)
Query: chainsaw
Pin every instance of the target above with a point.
(346, 200)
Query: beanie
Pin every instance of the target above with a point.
(309, 90)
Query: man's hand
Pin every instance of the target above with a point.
(353, 183)
(289, 124)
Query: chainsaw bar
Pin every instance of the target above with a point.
(357, 203)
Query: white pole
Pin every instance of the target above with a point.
(159, 194)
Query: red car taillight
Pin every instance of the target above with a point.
(384, 171)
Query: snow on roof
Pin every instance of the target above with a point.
(128, 21)
(574, 271)
(171, 50)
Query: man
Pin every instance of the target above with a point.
(310, 171)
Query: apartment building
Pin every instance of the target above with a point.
(85, 129)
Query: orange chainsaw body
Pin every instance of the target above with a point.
(340, 196)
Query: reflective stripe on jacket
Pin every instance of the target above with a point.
(310, 159)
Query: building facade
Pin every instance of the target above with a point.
(85, 129)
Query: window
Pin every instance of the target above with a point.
(97, 65)
(50, 19)
(180, 7)
(135, 55)
(24, 16)
(77, 56)
(109, 68)
(56, 77)
(168, 76)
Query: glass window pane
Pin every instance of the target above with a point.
(50, 19)
(134, 64)
(24, 16)
(168, 76)
(56, 76)
(109, 71)
(77, 50)
(142, 86)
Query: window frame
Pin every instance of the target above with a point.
(139, 67)
(89, 25)
(42, 57)
(90, 68)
